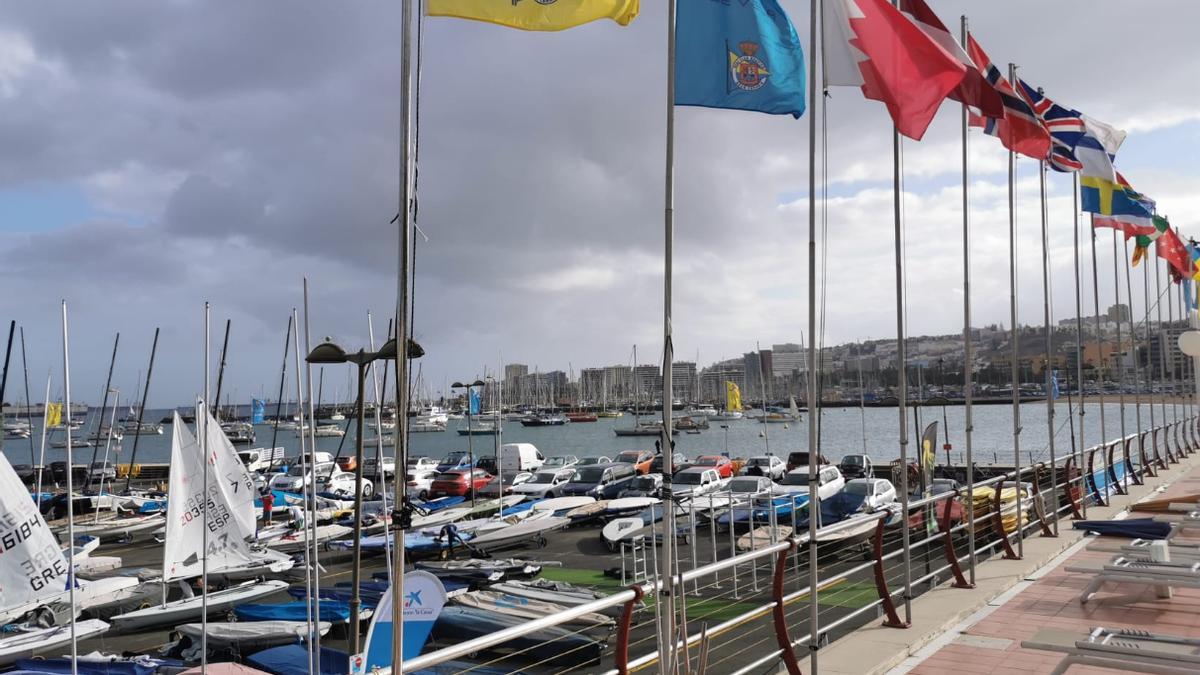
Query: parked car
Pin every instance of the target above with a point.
(798, 459)
(876, 492)
(342, 484)
(856, 466)
(765, 465)
(943, 486)
(695, 481)
(298, 476)
(455, 461)
(722, 464)
(494, 488)
(588, 461)
(749, 485)
(602, 481)
(422, 463)
(488, 464)
(544, 483)
(459, 482)
(102, 471)
(517, 457)
(373, 467)
(560, 462)
(419, 483)
(829, 482)
(678, 461)
(649, 485)
(347, 462)
(640, 460)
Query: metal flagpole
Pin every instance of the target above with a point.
(1048, 369)
(1162, 346)
(1137, 364)
(968, 357)
(1079, 332)
(1099, 338)
(902, 370)
(814, 510)
(404, 220)
(312, 446)
(1149, 361)
(1015, 339)
(202, 430)
(666, 628)
(70, 488)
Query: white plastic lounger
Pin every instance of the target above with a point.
(1120, 649)
(1130, 570)
(1141, 548)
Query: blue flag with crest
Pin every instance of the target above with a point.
(739, 54)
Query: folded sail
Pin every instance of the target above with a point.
(227, 537)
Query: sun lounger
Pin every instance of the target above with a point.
(1120, 649)
(1141, 548)
(1131, 570)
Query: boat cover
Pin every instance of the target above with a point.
(1132, 528)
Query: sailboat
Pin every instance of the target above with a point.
(228, 533)
(779, 417)
(33, 573)
(733, 404)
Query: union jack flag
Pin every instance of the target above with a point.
(1065, 126)
(1021, 130)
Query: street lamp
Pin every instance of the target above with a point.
(329, 352)
(470, 444)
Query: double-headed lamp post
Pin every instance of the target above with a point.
(470, 445)
(330, 353)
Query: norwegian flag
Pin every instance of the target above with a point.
(1066, 128)
(1020, 130)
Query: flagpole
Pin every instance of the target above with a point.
(1149, 361)
(902, 374)
(1079, 328)
(1162, 347)
(1099, 335)
(1167, 345)
(1015, 334)
(404, 219)
(1133, 339)
(1047, 369)
(312, 446)
(666, 651)
(968, 358)
(70, 489)
(815, 19)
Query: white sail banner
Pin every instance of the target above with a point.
(184, 550)
(32, 566)
(228, 467)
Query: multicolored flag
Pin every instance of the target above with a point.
(1113, 198)
(1142, 241)
(1020, 130)
(1066, 128)
(870, 44)
(974, 90)
(740, 56)
(539, 15)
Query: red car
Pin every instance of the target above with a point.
(723, 465)
(461, 483)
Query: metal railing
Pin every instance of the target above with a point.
(748, 643)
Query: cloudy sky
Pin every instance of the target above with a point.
(161, 154)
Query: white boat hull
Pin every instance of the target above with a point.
(188, 609)
(24, 645)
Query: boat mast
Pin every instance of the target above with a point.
(70, 481)
(99, 420)
(141, 413)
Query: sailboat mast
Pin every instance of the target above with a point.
(99, 420)
(312, 445)
(287, 338)
(141, 412)
(309, 569)
(202, 431)
(70, 481)
(216, 405)
(28, 403)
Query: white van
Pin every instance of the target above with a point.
(520, 457)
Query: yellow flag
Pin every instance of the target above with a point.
(54, 414)
(543, 15)
(733, 397)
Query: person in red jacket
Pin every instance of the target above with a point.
(268, 501)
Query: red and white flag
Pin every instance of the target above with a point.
(870, 44)
(975, 90)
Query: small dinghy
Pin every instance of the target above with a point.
(441, 517)
(26, 644)
(97, 663)
(293, 660)
(190, 608)
(562, 504)
(624, 505)
(476, 569)
(531, 529)
(111, 527)
(88, 565)
(556, 648)
(556, 592)
(236, 635)
(582, 514)
(296, 540)
(528, 608)
(619, 530)
(763, 536)
(332, 611)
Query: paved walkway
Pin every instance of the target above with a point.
(979, 630)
